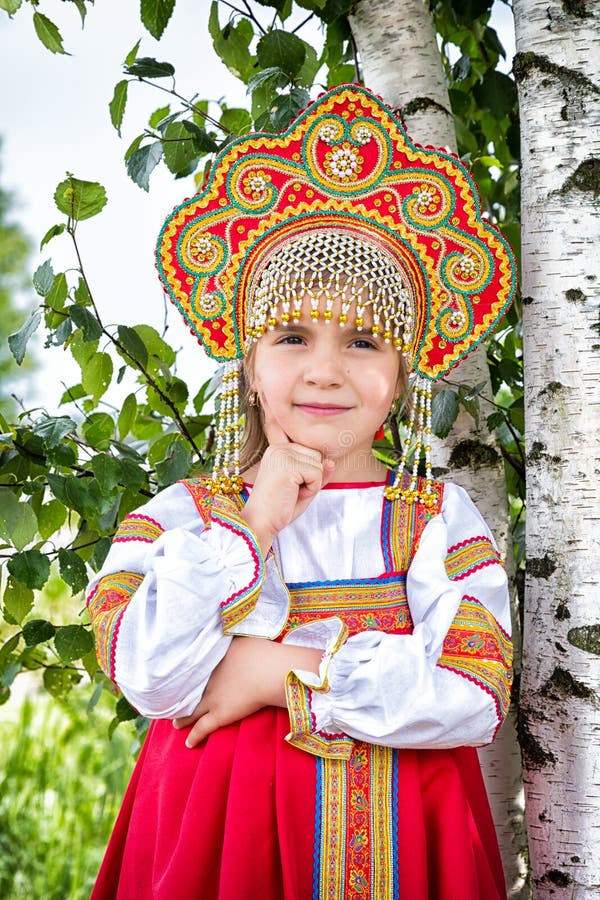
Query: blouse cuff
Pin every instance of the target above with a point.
(228, 529)
(302, 688)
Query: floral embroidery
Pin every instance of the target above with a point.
(106, 605)
(477, 648)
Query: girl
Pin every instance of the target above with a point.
(329, 638)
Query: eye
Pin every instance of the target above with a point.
(364, 344)
(292, 339)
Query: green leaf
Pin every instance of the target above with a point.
(75, 392)
(142, 162)
(80, 199)
(53, 429)
(497, 93)
(43, 278)
(11, 6)
(87, 321)
(52, 233)
(283, 50)
(266, 75)
(203, 142)
(30, 567)
(133, 146)
(155, 15)
(107, 471)
(98, 430)
(80, 4)
(7, 648)
(48, 33)
(286, 107)
(133, 344)
(124, 710)
(176, 464)
(73, 641)
(97, 374)
(127, 415)
(158, 115)
(232, 46)
(18, 522)
(155, 345)
(131, 56)
(58, 682)
(469, 399)
(19, 340)
(18, 602)
(146, 67)
(74, 573)
(310, 67)
(81, 349)
(36, 631)
(179, 150)
(117, 105)
(444, 410)
(57, 296)
(51, 516)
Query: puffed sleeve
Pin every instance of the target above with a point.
(170, 593)
(445, 685)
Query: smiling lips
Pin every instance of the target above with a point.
(321, 409)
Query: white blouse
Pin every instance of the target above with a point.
(373, 686)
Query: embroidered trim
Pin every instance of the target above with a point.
(470, 555)
(477, 648)
(241, 603)
(202, 498)
(402, 525)
(298, 694)
(355, 830)
(136, 527)
(106, 604)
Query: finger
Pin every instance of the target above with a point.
(205, 725)
(273, 430)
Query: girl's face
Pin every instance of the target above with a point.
(329, 388)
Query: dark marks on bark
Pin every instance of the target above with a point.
(541, 566)
(585, 637)
(586, 178)
(575, 295)
(533, 752)
(562, 685)
(474, 454)
(562, 612)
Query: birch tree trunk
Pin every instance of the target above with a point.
(557, 69)
(401, 61)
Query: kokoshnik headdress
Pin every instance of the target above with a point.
(341, 206)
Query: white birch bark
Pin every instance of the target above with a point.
(401, 62)
(558, 74)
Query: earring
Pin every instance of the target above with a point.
(253, 399)
(395, 407)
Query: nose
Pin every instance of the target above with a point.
(323, 368)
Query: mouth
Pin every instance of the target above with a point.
(321, 409)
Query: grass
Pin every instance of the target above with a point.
(61, 784)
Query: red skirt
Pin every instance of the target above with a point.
(246, 816)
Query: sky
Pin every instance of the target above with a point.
(54, 119)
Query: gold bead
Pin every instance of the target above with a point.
(342, 318)
(397, 342)
(314, 313)
(327, 314)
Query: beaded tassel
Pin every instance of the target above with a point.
(226, 478)
(419, 439)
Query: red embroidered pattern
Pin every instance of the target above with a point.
(477, 648)
(106, 605)
(467, 557)
(136, 527)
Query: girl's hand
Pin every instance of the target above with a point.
(250, 676)
(288, 479)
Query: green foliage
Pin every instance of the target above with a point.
(60, 788)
